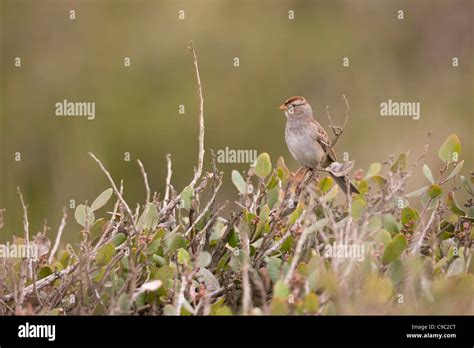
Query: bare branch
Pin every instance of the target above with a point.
(336, 129)
(58, 236)
(117, 192)
(169, 172)
(410, 172)
(198, 171)
(145, 179)
(206, 208)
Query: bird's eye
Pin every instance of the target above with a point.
(291, 109)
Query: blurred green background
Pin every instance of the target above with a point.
(137, 107)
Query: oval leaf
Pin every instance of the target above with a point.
(239, 182)
(450, 149)
(394, 249)
(428, 174)
(83, 214)
(183, 256)
(263, 165)
(105, 254)
(204, 259)
(374, 169)
(149, 219)
(102, 199)
(456, 170)
(434, 190)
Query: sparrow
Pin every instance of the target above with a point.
(307, 140)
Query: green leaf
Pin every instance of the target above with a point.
(186, 197)
(455, 268)
(102, 199)
(379, 180)
(330, 196)
(374, 224)
(394, 249)
(326, 183)
(466, 185)
(456, 170)
(149, 218)
(295, 215)
(434, 191)
(285, 172)
(400, 163)
(98, 274)
(84, 213)
(453, 204)
(396, 271)
(273, 267)
(263, 165)
(417, 193)
(44, 272)
(450, 150)
(96, 229)
(390, 224)
(160, 261)
(287, 245)
(224, 310)
(164, 273)
(239, 182)
(169, 310)
(428, 174)
(409, 214)
(383, 236)
(358, 207)
(374, 169)
(105, 254)
(263, 217)
(153, 247)
(175, 243)
(183, 256)
(204, 259)
(281, 290)
(363, 186)
(279, 306)
(209, 279)
(311, 303)
(272, 197)
(119, 239)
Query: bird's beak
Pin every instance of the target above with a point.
(283, 107)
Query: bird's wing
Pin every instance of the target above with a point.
(322, 138)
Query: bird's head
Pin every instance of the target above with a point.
(296, 107)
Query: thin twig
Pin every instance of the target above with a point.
(145, 179)
(58, 236)
(410, 172)
(117, 192)
(180, 300)
(336, 129)
(206, 208)
(169, 172)
(198, 171)
(41, 283)
(29, 264)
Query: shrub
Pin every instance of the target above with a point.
(293, 244)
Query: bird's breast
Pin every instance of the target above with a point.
(303, 145)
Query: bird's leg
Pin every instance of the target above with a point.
(309, 175)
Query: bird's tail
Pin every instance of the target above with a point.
(342, 182)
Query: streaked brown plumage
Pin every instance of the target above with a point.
(307, 140)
